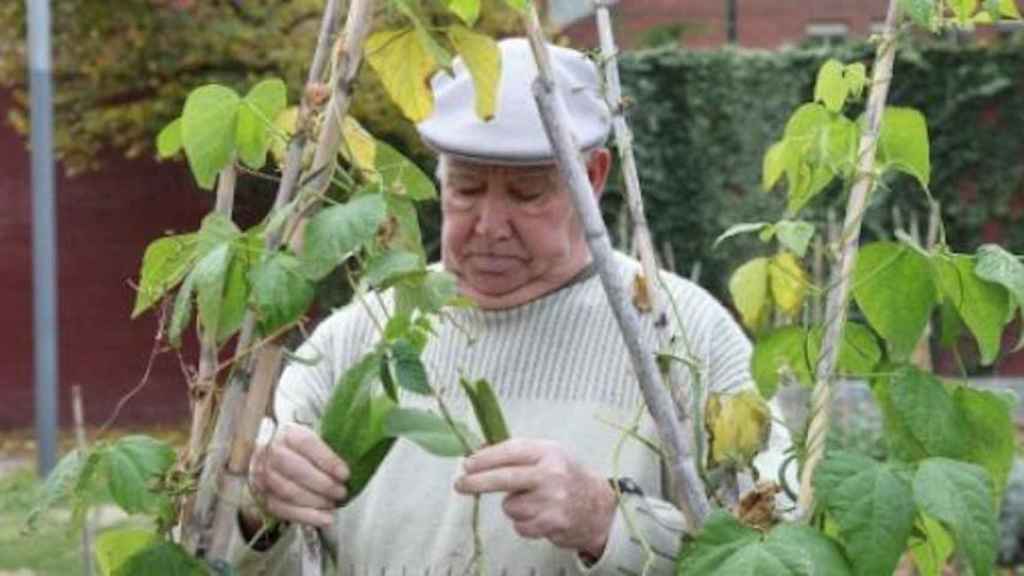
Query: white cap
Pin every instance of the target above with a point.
(515, 135)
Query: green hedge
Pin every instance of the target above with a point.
(702, 121)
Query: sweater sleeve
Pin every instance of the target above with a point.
(645, 533)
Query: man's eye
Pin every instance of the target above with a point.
(469, 190)
(525, 196)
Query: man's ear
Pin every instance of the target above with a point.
(598, 166)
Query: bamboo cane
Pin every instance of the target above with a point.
(838, 296)
(679, 384)
(685, 480)
(266, 364)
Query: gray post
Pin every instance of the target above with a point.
(44, 235)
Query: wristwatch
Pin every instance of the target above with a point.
(625, 485)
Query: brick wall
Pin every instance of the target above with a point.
(105, 220)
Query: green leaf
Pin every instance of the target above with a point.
(256, 118)
(401, 176)
(842, 137)
(899, 438)
(932, 548)
(920, 11)
(408, 368)
(386, 268)
(487, 410)
(859, 353)
(216, 229)
(133, 463)
(235, 297)
(1001, 267)
(406, 235)
(727, 547)
(336, 232)
(428, 294)
(168, 142)
(162, 558)
(806, 154)
(960, 496)
(778, 352)
(353, 423)
(404, 66)
(281, 294)
(210, 277)
(990, 430)
(59, 484)
(749, 289)
(894, 289)
(856, 77)
(928, 412)
(963, 9)
(788, 282)
(467, 10)
(774, 165)
(903, 143)
(737, 229)
(165, 264)
(831, 88)
(428, 430)
(873, 505)
(116, 546)
(208, 126)
(181, 315)
(1008, 9)
(483, 59)
(520, 5)
(982, 305)
(795, 236)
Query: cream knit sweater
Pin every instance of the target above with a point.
(561, 372)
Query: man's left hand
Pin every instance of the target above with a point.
(548, 493)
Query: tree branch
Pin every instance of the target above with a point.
(693, 501)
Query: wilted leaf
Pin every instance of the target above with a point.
(641, 294)
(749, 289)
(738, 426)
(360, 145)
(483, 60)
(404, 66)
(788, 283)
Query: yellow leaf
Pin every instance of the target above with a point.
(483, 59)
(641, 294)
(361, 145)
(285, 123)
(404, 66)
(788, 283)
(749, 288)
(738, 427)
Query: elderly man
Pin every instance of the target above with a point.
(542, 333)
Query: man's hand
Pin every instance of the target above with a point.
(549, 494)
(297, 477)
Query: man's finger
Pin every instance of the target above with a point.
(520, 506)
(507, 479)
(304, 473)
(512, 452)
(286, 490)
(300, 514)
(310, 446)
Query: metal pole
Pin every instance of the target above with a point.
(732, 19)
(44, 235)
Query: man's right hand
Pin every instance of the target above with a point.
(298, 478)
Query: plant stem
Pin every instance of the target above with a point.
(835, 311)
(83, 446)
(689, 490)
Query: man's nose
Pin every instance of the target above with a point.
(493, 220)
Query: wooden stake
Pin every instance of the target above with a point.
(689, 490)
(87, 527)
(838, 296)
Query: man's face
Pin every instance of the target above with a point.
(510, 234)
